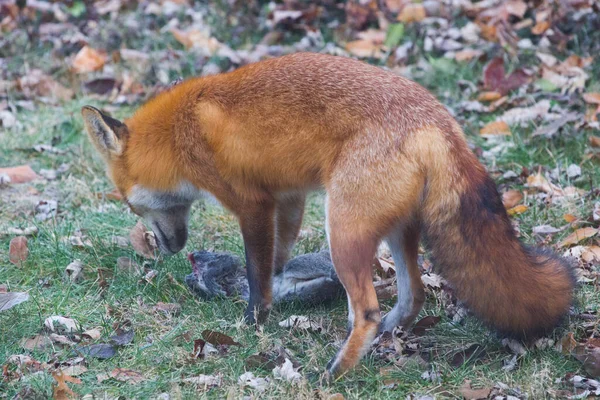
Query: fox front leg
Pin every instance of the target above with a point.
(258, 229)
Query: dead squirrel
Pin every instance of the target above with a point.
(307, 278)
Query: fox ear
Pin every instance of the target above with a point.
(106, 133)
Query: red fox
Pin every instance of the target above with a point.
(394, 163)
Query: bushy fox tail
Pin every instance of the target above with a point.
(521, 291)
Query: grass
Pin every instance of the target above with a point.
(108, 297)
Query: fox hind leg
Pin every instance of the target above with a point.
(352, 255)
(404, 245)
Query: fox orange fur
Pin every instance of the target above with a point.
(394, 163)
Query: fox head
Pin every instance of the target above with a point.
(165, 208)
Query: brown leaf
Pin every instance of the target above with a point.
(496, 128)
(38, 342)
(73, 370)
(568, 343)
(218, 338)
(473, 394)
(92, 334)
(61, 390)
(424, 324)
(20, 174)
(88, 60)
(260, 360)
(37, 84)
(511, 198)
(127, 375)
(17, 250)
(142, 240)
(578, 236)
(495, 78)
(590, 357)
(102, 86)
(591, 98)
(540, 27)
(594, 141)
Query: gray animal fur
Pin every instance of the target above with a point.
(307, 278)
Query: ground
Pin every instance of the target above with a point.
(548, 171)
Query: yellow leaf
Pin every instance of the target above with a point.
(496, 128)
(578, 236)
(364, 48)
(88, 60)
(540, 27)
(412, 13)
(511, 198)
(569, 218)
(539, 181)
(520, 209)
(489, 96)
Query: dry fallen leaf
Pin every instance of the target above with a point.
(61, 390)
(143, 241)
(20, 174)
(127, 375)
(540, 27)
(424, 324)
(364, 48)
(489, 96)
(248, 379)
(88, 60)
(58, 323)
(218, 338)
(17, 250)
(287, 372)
(520, 209)
(496, 128)
(92, 334)
(10, 299)
(589, 355)
(197, 39)
(473, 394)
(568, 343)
(74, 271)
(592, 98)
(412, 13)
(495, 78)
(578, 236)
(540, 182)
(511, 198)
(38, 342)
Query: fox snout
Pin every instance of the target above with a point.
(169, 240)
